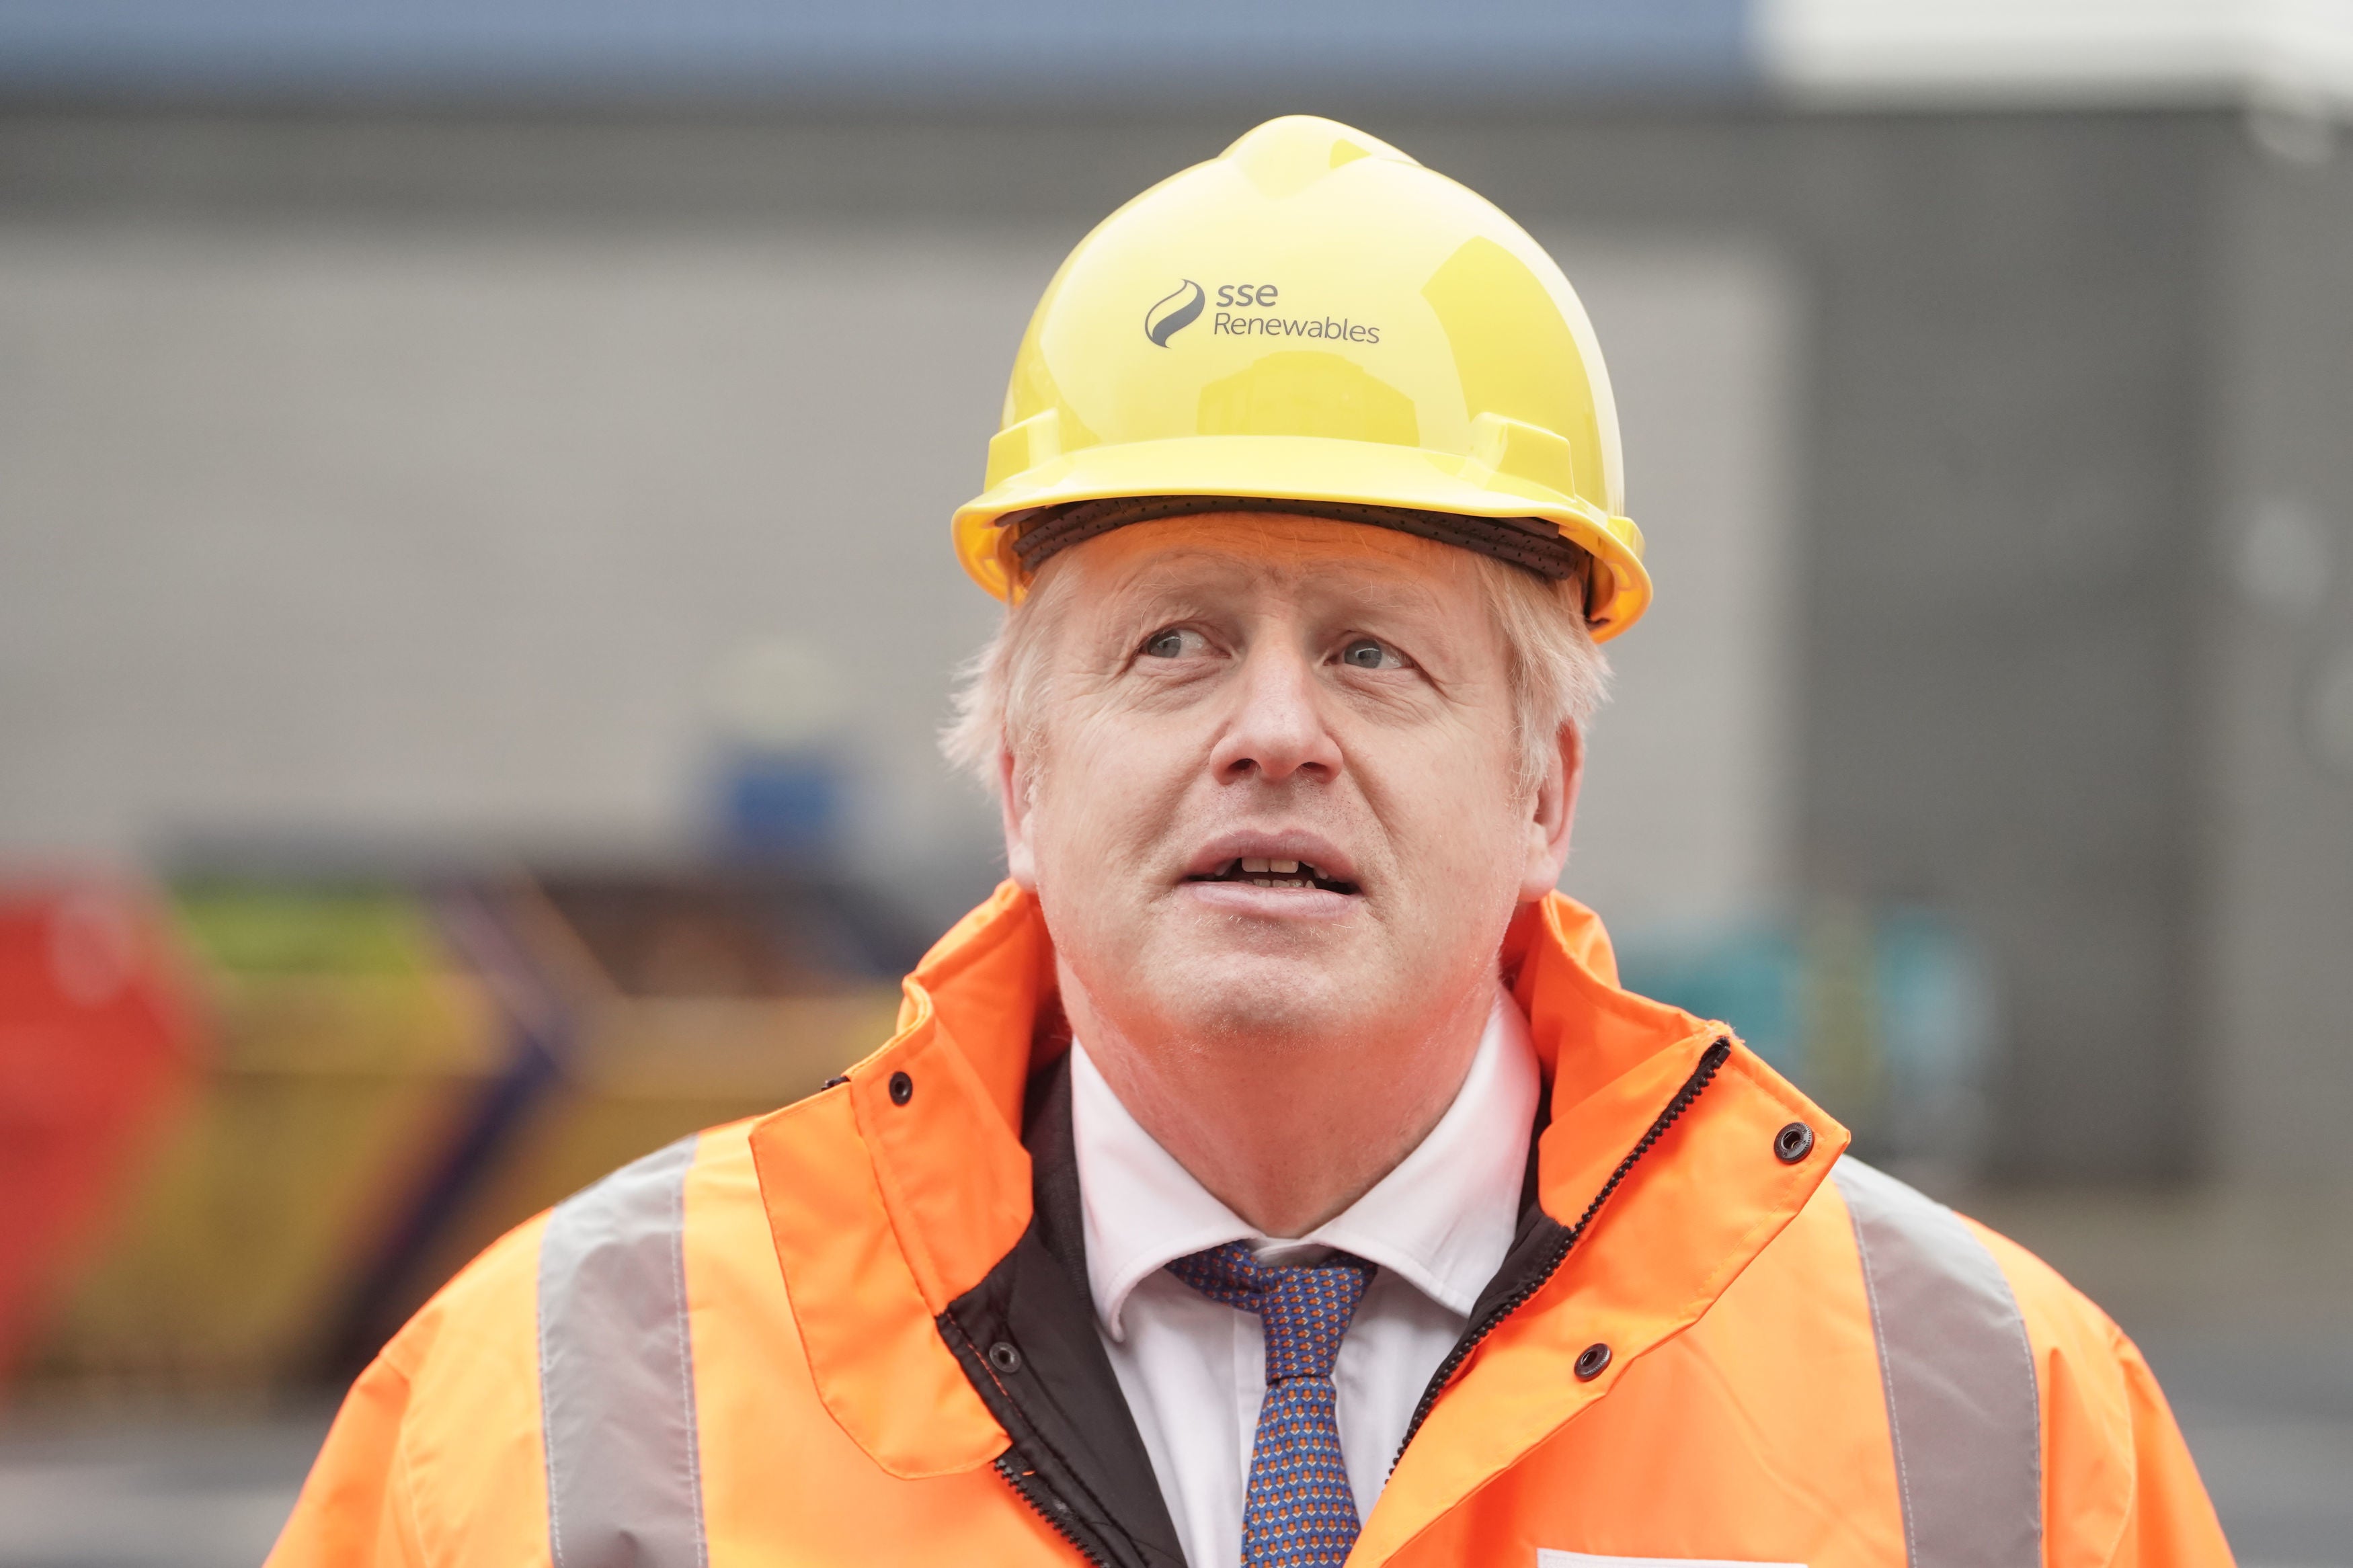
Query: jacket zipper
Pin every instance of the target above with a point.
(1710, 1061)
(1027, 1485)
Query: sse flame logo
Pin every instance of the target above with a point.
(1173, 315)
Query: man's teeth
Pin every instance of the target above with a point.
(1271, 873)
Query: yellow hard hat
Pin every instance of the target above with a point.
(1312, 319)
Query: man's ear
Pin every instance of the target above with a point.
(1013, 800)
(1554, 809)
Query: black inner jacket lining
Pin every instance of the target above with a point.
(1064, 1408)
(1069, 1420)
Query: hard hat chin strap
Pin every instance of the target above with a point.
(1528, 543)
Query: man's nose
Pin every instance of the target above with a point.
(1277, 728)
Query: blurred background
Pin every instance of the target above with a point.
(475, 607)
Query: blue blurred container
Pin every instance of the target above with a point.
(1886, 1016)
(783, 805)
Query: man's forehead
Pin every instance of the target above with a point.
(1226, 551)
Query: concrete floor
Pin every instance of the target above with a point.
(82, 1489)
(2272, 1427)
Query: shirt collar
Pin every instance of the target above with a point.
(1442, 1219)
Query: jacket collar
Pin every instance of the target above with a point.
(887, 1202)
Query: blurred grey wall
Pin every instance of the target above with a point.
(373, 532)
(357, 532)
(1944, 427)
(2276, 803)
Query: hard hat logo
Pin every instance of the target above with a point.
(1173, 314)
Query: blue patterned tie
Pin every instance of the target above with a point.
(1298, 1511)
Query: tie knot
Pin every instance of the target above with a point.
(1305, 1309)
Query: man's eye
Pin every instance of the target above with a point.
(1174, 643)
(1366, 654)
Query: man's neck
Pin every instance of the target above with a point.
(1288, 1135)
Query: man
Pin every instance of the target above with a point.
(1272, 1172)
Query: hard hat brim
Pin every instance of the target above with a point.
(1305, 469)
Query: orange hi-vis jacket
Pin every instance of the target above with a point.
(858, 1330)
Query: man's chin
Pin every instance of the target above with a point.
(1224, 990)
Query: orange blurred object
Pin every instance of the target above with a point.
(98, 1030)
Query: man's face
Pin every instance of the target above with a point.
(1274, 791)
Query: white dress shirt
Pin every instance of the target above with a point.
(1194, 1370)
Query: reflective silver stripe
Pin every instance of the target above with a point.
(616, 1372)
(1961, 1401)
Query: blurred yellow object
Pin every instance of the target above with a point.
(350, 1050)
(1313, 316)
(689, 1021)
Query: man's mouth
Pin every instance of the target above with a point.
(1272, 873)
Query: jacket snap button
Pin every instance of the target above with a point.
(1793, 1142)
(902, 1089)
(1589, 1364)
(1004, 1357)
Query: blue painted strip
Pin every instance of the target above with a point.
(1188, 53)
